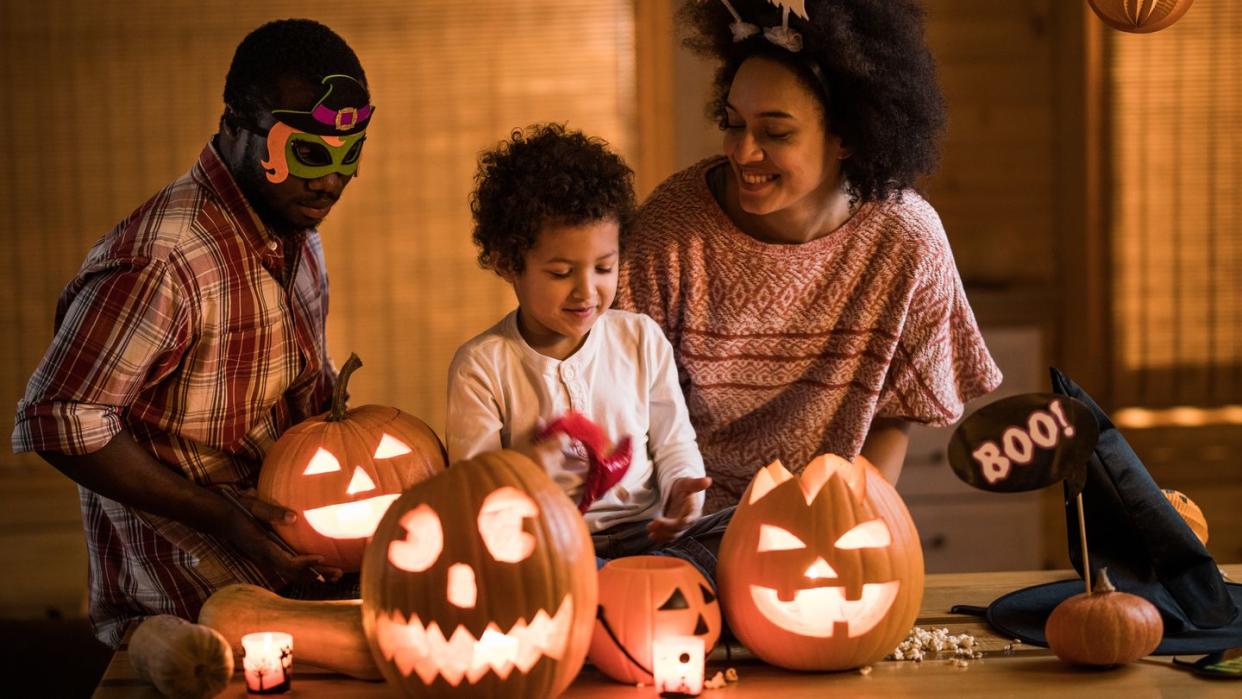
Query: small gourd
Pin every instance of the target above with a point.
(180, 658)
(1104, 627)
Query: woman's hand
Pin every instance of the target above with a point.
(682, 509)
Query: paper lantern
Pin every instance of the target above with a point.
(341, 470)
(481, 582)
(822, 571)
(1189, 512)
(1139, 16)
(644, 599)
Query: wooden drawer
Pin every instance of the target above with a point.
(1001, 533)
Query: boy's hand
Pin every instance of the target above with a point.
(683, 508)
(548, 453)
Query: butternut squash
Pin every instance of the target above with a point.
(326, 633)
(180, 658)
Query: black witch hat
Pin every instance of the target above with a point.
(1148, 548)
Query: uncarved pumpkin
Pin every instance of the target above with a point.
(341, 470)
(643, 599)
(481, 582)
(1190, 513)
(821, 571)
(1104, 626)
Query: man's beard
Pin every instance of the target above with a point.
(253, 182)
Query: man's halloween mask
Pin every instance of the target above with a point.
(328, 138)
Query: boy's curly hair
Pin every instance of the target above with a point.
(881, 95)
(545, 175)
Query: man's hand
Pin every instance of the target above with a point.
(682, 509)
(272, 556)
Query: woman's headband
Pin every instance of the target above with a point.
(781, 36)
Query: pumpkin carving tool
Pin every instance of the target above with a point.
(271, 535)
(606, 466)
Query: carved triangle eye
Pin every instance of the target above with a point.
(708, 595)
(675, 601)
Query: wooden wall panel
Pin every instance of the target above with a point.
(107, 101)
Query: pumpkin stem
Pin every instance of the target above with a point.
(341, 391)
(1102, 583)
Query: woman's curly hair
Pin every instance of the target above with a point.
(545, 175)
(881, 94)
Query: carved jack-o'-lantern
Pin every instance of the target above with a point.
(644, 599)
(341, 470)
(1139, 16)
(481, 582)
(821, 571)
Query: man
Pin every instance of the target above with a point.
(193, 336)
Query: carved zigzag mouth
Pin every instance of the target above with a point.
(416, 648)
(349, 520)
(815, 611)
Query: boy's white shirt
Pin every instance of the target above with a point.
(623, 378)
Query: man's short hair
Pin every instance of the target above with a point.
(289, 48)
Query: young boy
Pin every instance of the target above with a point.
(550, 210)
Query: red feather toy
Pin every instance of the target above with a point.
(605, 466)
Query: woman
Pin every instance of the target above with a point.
(810, 295)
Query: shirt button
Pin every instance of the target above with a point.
(568, 372)
(272, 245)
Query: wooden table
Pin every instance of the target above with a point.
(1023, 671)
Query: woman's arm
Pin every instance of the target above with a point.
(886, 445)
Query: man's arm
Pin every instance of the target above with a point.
(886, 446)
(125, 472)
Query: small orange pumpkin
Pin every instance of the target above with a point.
(645, 598)
(821, 571)
(1103, 627)
(1140, 16)
(1190, 513)
(481, 581)
(341, 470)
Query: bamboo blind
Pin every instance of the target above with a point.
(1175, 138)
(104, 102)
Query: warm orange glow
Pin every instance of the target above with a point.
(322, 462)
(424, 539)
(425, 651)
(813, 478)
(462, 591)
(774, 538)
(816, 611)
(349, 520)
(820, 570)
(390, 446)
(868, 535)
(678, 664)
(500, 524)
(1180, 416)
(360, 483)
(267, 662)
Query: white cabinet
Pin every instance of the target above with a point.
(962, 528)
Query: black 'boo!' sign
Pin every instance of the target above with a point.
(1025, 442)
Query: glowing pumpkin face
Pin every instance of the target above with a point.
(341, 470)
(823, 571)
(481, 582)
(643, 599)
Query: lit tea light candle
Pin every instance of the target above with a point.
(268, 662)
(678, 664)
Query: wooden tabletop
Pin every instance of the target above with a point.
(1018, 672)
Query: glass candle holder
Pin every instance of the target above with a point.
(268, 662)
(678, 662)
